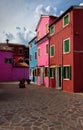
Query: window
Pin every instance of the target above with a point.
(38, 35)
(20, 60)
(8, 60)
(30, 45)
(30, 57)
(46, 71)
(66, 72)
(66, 20)
(20, 51)
(52, 72)
(51, 30)
(35, 55)
(52, 51)
(38, 52)
(47, 48)
(66, 46)
(47, 28)
(38, 72)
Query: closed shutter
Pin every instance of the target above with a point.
(52, 50)
(69, 72)
(66, 46)
(66, 19)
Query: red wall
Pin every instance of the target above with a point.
(78, 50)
(62, 33)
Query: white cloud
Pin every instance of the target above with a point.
(40, 9)
(61, 12)
(22, 35)
(81, 4)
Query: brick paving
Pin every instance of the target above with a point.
(38, 108)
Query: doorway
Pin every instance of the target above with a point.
(58, 77)
(42, 75)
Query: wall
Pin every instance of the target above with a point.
(60, 59)
(78, 50)
(8, 72)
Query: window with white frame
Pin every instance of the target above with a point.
(52, 72)
(66, 46)
(52, 30)
(66, 72)
(52, 51)
(66, 20)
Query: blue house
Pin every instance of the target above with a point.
(33, 60)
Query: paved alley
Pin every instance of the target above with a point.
(39, 108)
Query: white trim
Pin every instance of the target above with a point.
(69, 45)
(63, 20)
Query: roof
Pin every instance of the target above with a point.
(32, 40)
(23, 64)
(71, 8)
(5, 47)
(43, 15)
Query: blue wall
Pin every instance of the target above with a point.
(33, 63)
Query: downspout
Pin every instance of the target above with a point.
(49, 58)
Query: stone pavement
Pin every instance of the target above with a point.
(38, 108)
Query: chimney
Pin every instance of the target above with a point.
(7, 41)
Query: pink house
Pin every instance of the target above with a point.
(42, 31)
(9, 72)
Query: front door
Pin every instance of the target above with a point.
(42, 75)
(58, 77)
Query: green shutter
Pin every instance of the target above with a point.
(66, 19)
(66, 44)
(52, 50)
(69, 72)
(52, 30)
(63, 74)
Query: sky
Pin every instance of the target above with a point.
(19, 18)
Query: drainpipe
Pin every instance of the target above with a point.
(62, 63)
(49, 57)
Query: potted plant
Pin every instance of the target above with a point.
(22, 83)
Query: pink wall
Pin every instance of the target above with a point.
(43, 58)
(42, 26)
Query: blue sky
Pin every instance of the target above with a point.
(18, 18)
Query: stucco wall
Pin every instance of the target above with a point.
(8, 72)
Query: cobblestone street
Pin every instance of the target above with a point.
(38, 108)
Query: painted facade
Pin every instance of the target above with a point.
(66, 50)
(8, 71)
(20, 52)
(42, 42)
(33, 60)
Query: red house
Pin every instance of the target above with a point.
(20, 52)
(66, 50)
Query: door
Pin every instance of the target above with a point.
(42, 75)
(58, 77)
